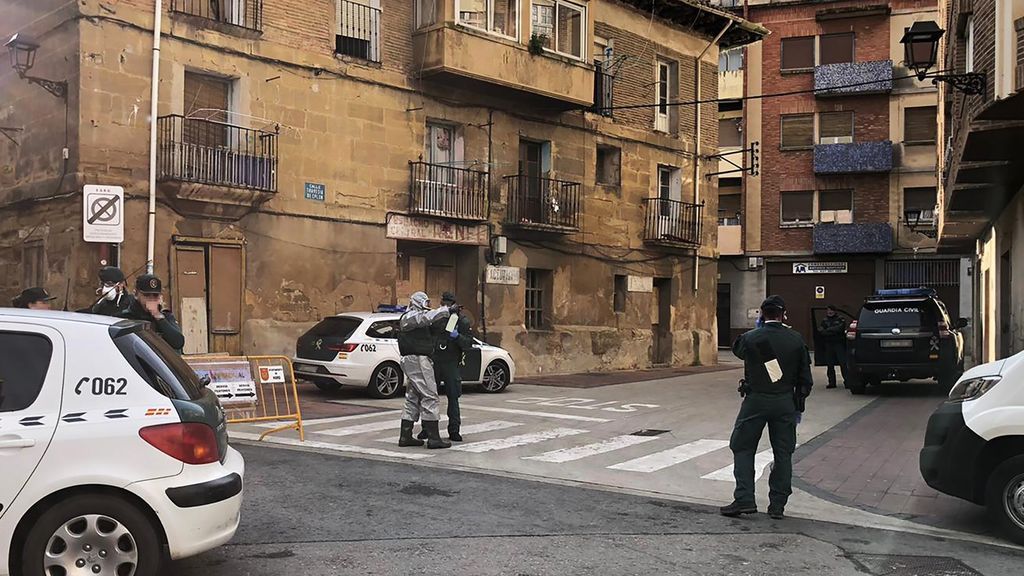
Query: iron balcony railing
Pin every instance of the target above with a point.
(358, 33)
(672, 222)
(244, 13)
(447, 191)
(216, 153)
(604, 91)
(543, 203)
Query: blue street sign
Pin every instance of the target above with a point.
(316, 191)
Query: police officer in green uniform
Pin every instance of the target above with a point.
(148, 306)
(448, 355)
(777, 379)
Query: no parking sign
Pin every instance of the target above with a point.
(103, 214)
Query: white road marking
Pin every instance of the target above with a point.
(316, 421)
(411, 455)
(368, 427)
(472, 429)
(671, 457)
(761, 462)
(534, 413)
(579, 452)
(515, 441)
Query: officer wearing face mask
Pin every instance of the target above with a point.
(113, 293)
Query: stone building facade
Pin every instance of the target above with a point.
(327, 156)
(843, 158)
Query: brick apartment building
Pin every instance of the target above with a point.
(326, 156)
(982, 167)
(843, 156)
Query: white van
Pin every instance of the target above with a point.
(974, 446)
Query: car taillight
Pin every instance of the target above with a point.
(189, 442)
(347, 347)
(851, 332)
(944, 330)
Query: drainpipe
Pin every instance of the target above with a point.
(697, 157)
(154, 94)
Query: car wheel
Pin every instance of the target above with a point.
(92, 534)
(386, 381)
(495, 378)
(327, 384)
(1005, 497)
(856, 384)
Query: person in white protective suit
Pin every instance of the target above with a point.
(416, 345)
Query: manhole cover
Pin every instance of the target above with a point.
(648, 432)
(891, 565)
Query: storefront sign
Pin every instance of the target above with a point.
(402, 227)
(508, 275)
(820, 268)
(316, 191)
(639, 284)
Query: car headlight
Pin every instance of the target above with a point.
(972, 388)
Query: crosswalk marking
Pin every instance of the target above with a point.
(472, 429)
(514, 441)
(407, 455)
(671, 457)
(368, 427)
(761, 462)
(554, 415)
(316, 421)
(579, 452)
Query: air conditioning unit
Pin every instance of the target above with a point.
(836, 140)
(827, 216)
(844, 216)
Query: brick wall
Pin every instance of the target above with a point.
(794, 170)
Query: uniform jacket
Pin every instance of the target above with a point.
(450, 349)
(415, 337)
(167, 327)
(780, 342)
(834, 329)
(113, 307)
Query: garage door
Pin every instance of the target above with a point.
(845, 291)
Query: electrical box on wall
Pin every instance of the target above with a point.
(755, 262)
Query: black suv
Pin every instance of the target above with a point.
(903, 334)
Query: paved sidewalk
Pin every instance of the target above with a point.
(870, 461)
(597, 379)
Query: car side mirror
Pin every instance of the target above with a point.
(961, 323)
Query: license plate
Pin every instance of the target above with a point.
(897, 343)
(305, 367)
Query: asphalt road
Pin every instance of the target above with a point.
(324, 514)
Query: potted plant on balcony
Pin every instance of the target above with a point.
(537, 43)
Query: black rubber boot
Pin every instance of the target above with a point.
(453, 434)
(406, 438)
(423, 434)
(434, 436)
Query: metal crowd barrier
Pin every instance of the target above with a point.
(254, 389)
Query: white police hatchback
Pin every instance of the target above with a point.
(361, 349)
(114, 455)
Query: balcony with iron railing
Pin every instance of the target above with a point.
(447, 192)
(853, 158)
(211, 162)
(672, 223)
(358, 31)
(242, 13)
(542, 204)
(853, 78)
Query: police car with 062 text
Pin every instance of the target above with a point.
(114, 454)
(361, 349)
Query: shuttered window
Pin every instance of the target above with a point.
(797, 207)
(206, 98)
(835, 200)
(835, 127)
(798, 53)
(919, 125)
(836, 48)
(797, 131)
(920, 200)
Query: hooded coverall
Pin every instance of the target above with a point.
(421, 387)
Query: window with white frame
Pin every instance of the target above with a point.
(497, 16)
(835, 127)
(426, 13)
(730, 60)
(670, 188)
(667, 91)
(358, 29)
(561, 26)
(969, 45)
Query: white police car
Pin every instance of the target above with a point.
(974, 445)
(361, 349)
(114, 455)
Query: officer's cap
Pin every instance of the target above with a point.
(30, 295)
(774, 301)
(447, 298)
(149, 284)
(111, 274)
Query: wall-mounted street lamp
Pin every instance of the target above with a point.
(921, 45)
(23, 58)
(912, 218)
